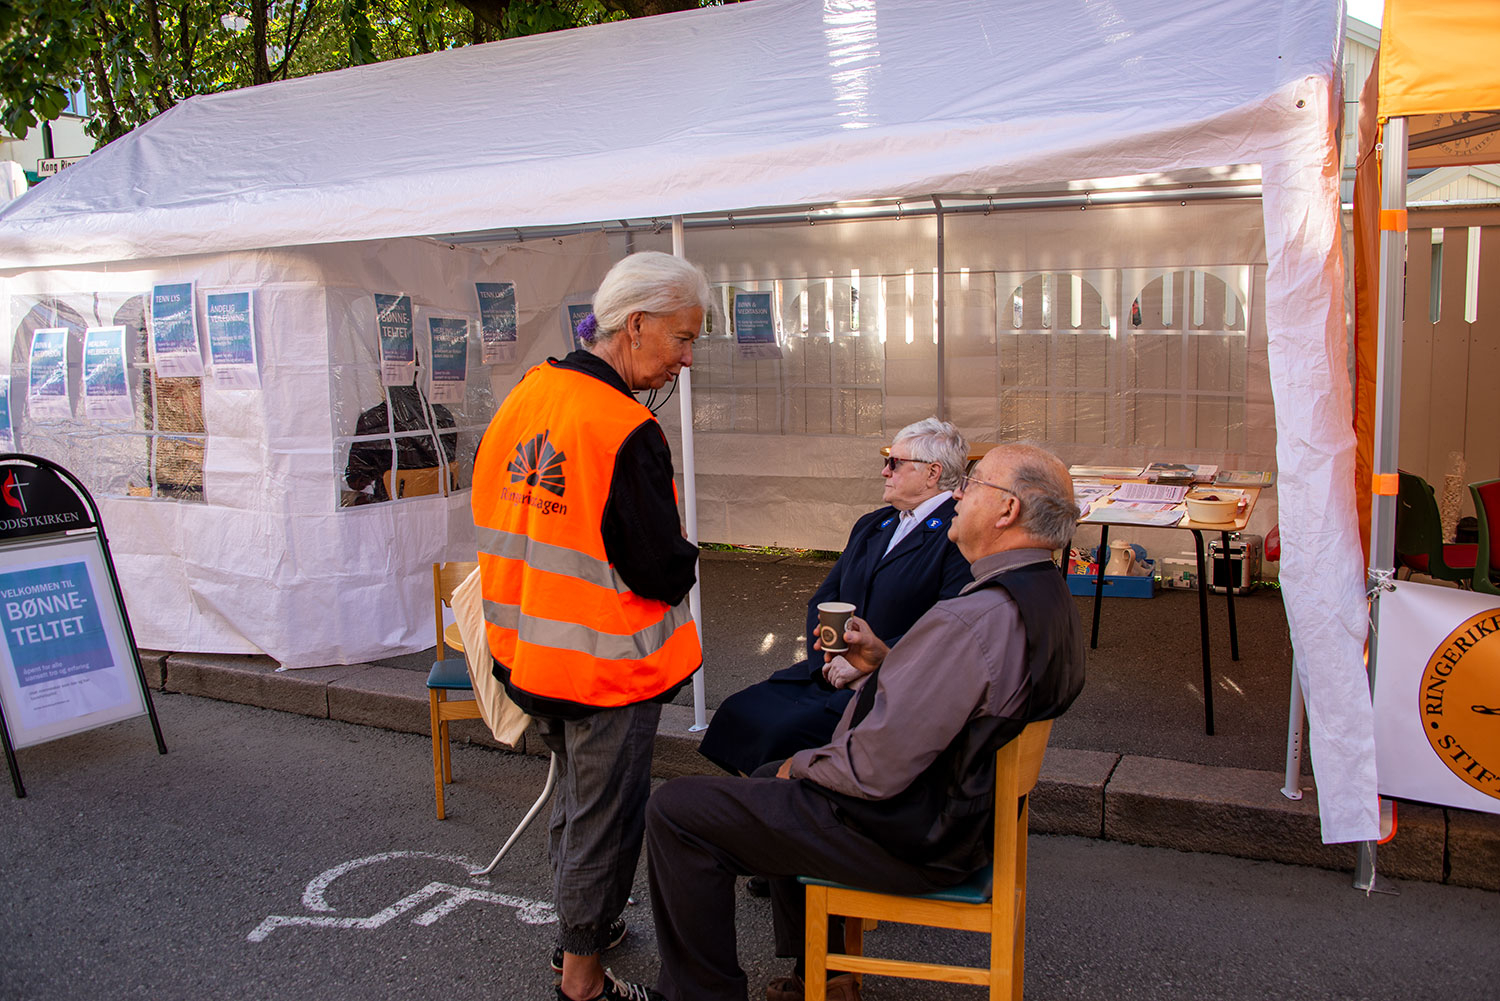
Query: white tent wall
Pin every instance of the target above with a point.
(787, 449)
(264, 560)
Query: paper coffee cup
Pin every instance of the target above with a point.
(832, 617)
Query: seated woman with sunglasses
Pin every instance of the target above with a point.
(897, 564)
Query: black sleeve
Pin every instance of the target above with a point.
(642, 531)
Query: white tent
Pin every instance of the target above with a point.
(792, 104)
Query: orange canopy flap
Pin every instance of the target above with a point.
(1438, 57)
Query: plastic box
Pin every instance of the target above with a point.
(1114, 587)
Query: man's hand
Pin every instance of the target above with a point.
(839, 673)
(866, 650)
(785, 771)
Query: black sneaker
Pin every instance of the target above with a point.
(616, 989)
(616, 935)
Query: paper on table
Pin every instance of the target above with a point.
(1121, 514)
(1150, 492)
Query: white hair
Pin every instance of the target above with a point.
(932, 440)
(648, 282)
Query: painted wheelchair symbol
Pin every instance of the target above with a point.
(432, 901)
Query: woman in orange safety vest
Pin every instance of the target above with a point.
(585, 576)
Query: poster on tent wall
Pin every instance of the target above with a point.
(174, 332)
(106, 377)
(398, 348)
(755, 326)
(7, 429)
(497, 322)
(231, 340)
(47, 378)
(1437, 696)
(450, 358)
(575, 309)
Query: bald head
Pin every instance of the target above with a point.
(1019, 497)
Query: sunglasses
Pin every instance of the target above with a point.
(892, 461)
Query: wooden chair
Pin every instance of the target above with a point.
(1419, 535)
(1487, 509)
(449, 675)
(992, 901)
(419, 482)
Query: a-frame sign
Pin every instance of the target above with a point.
(68, 660)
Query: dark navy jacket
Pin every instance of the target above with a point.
(890, 592)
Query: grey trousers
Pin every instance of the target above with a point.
(703, 831)
(598, 816)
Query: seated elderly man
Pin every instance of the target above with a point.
(897, 564)
(901, 799)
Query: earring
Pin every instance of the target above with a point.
(636, 346)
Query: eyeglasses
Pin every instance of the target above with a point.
(966, 481)
(892, 461)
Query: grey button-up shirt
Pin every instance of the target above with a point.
(964, 659)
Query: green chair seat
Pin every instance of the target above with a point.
(974, 890)
(452, 673)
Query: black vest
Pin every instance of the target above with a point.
(946, 818)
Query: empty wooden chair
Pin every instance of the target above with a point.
(449, 676)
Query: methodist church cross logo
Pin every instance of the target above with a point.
(11, 492)
(539, 464)
(1460, 702)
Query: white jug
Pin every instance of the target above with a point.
(1121, 559)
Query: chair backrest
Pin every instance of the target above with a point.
(1487, 512)
(1018, 765)
(416, 482)
(446, 577)
(1419, 527)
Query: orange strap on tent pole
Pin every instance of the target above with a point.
(1393, 220)
(1385, 484)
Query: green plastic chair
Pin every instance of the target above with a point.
(1487, 511)
(1419, 535)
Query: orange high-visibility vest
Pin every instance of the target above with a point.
(558, 615)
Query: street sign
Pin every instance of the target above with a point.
(68, 659)
(48, 167)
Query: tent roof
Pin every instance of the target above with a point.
(775, 102)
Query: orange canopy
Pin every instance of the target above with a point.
(1438, 67)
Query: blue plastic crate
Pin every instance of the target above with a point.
(1114, 587)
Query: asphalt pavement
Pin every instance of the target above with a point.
(272, 856)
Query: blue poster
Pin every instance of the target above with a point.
(174, 331)
(497, 322)
(755, 326)
(52, 623)
(450, 358)
(47, 381)
(106, 386)
(231, 340)
(7, 429)
(398, 349)
(575, 314)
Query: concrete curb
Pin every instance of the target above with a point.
(1097, 794)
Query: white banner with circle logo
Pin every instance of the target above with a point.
(1437, 697)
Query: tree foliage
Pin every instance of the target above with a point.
(137, 58)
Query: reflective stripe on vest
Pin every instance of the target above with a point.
(582, 639)
(552, 559)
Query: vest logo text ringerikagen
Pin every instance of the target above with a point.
(537, 464)
(1460, 702)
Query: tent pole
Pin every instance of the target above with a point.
(690, 500)
(1387, 412)
(942, 316)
